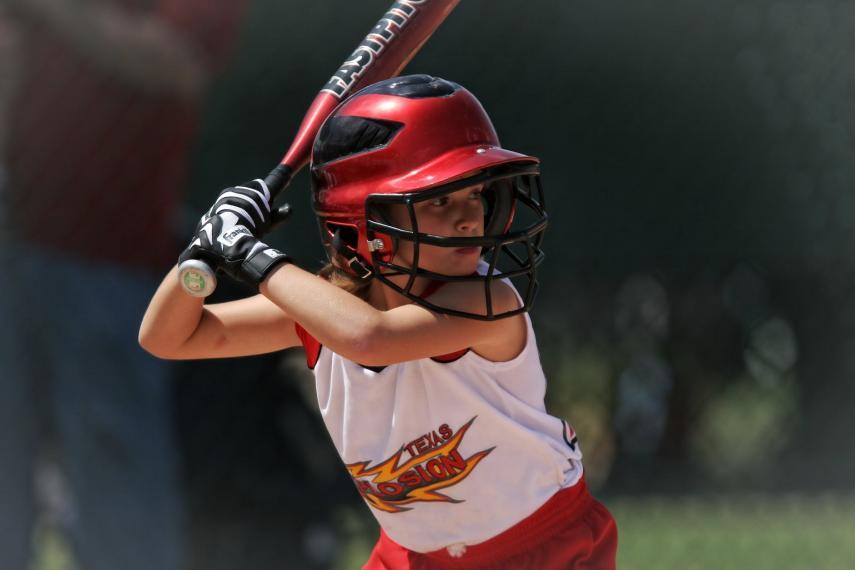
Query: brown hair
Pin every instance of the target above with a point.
(344, 280)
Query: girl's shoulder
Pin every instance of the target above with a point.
(507, 336)
(471, 296)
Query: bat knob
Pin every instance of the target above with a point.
(197, 278)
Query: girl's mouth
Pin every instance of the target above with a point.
(468, 250)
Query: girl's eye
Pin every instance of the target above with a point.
(441, 201)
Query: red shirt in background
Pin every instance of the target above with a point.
(97, 166)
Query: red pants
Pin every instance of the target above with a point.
(572, 531)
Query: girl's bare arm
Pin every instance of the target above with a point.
(353, 328)
(180, 327)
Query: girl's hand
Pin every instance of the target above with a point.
(251, 202)
(230, 247)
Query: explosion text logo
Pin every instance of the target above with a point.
(434, 464)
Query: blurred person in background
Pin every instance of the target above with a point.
(9, 76)
(98, 127)
(12, 444)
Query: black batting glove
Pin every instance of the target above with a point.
(252, 203)
(230, 247)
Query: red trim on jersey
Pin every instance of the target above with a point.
(450, 357)
(310, 343)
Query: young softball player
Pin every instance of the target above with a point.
(427, 371)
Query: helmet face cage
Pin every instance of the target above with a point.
(512, 192)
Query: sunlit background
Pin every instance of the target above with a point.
(696, 316)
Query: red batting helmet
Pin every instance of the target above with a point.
(414, 138)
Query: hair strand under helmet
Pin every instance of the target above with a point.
(410, 139)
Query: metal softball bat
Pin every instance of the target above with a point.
(386, 50)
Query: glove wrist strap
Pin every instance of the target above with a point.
(261, 262)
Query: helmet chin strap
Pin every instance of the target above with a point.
(353, 259)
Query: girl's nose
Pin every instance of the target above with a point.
(468, 219)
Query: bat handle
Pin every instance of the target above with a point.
(196, 277)
(278, 180)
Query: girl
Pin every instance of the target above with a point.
(427, 371)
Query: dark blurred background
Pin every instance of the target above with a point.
(696, 308)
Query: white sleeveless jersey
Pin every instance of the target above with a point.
(448, 450)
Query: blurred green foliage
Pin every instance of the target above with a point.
(737, 532)
(709, 532)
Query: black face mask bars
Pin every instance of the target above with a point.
(507, 252)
